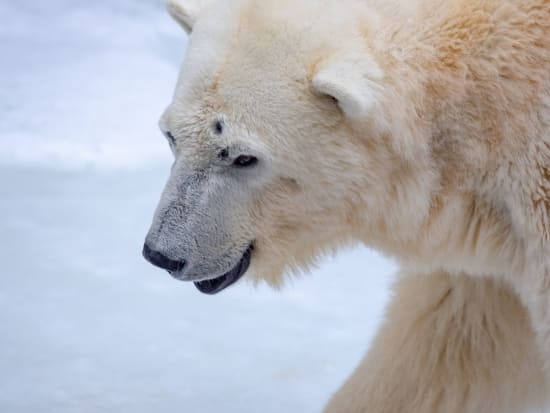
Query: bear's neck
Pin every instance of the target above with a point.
(441, 112)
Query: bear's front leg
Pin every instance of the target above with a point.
(450, 344)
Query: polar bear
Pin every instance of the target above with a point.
(421, 130)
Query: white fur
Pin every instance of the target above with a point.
(439, 156)
(351, 80)
(186, 13)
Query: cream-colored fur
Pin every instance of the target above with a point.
(450, 344)
(422, 130)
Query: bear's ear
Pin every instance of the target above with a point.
(352, 81)
(186, 12)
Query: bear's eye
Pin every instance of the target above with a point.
(245, 161)
(170, 137)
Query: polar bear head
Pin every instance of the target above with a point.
(279, 130)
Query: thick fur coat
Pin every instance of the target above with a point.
(420, 129)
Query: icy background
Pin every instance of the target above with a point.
(87, 324)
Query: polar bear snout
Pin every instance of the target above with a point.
(201, 231)
(158, 259)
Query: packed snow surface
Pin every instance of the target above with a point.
(87, 324)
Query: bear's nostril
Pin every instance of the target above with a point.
(158, 259)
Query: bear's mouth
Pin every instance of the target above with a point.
(215, 285)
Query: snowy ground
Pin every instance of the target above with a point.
(87, 324)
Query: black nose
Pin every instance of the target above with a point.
(160, 260)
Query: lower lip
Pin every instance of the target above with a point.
(216, 285)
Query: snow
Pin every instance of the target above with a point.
(88, 325)
(86, 82)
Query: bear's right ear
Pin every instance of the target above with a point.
(186, 12)
(352, 80)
